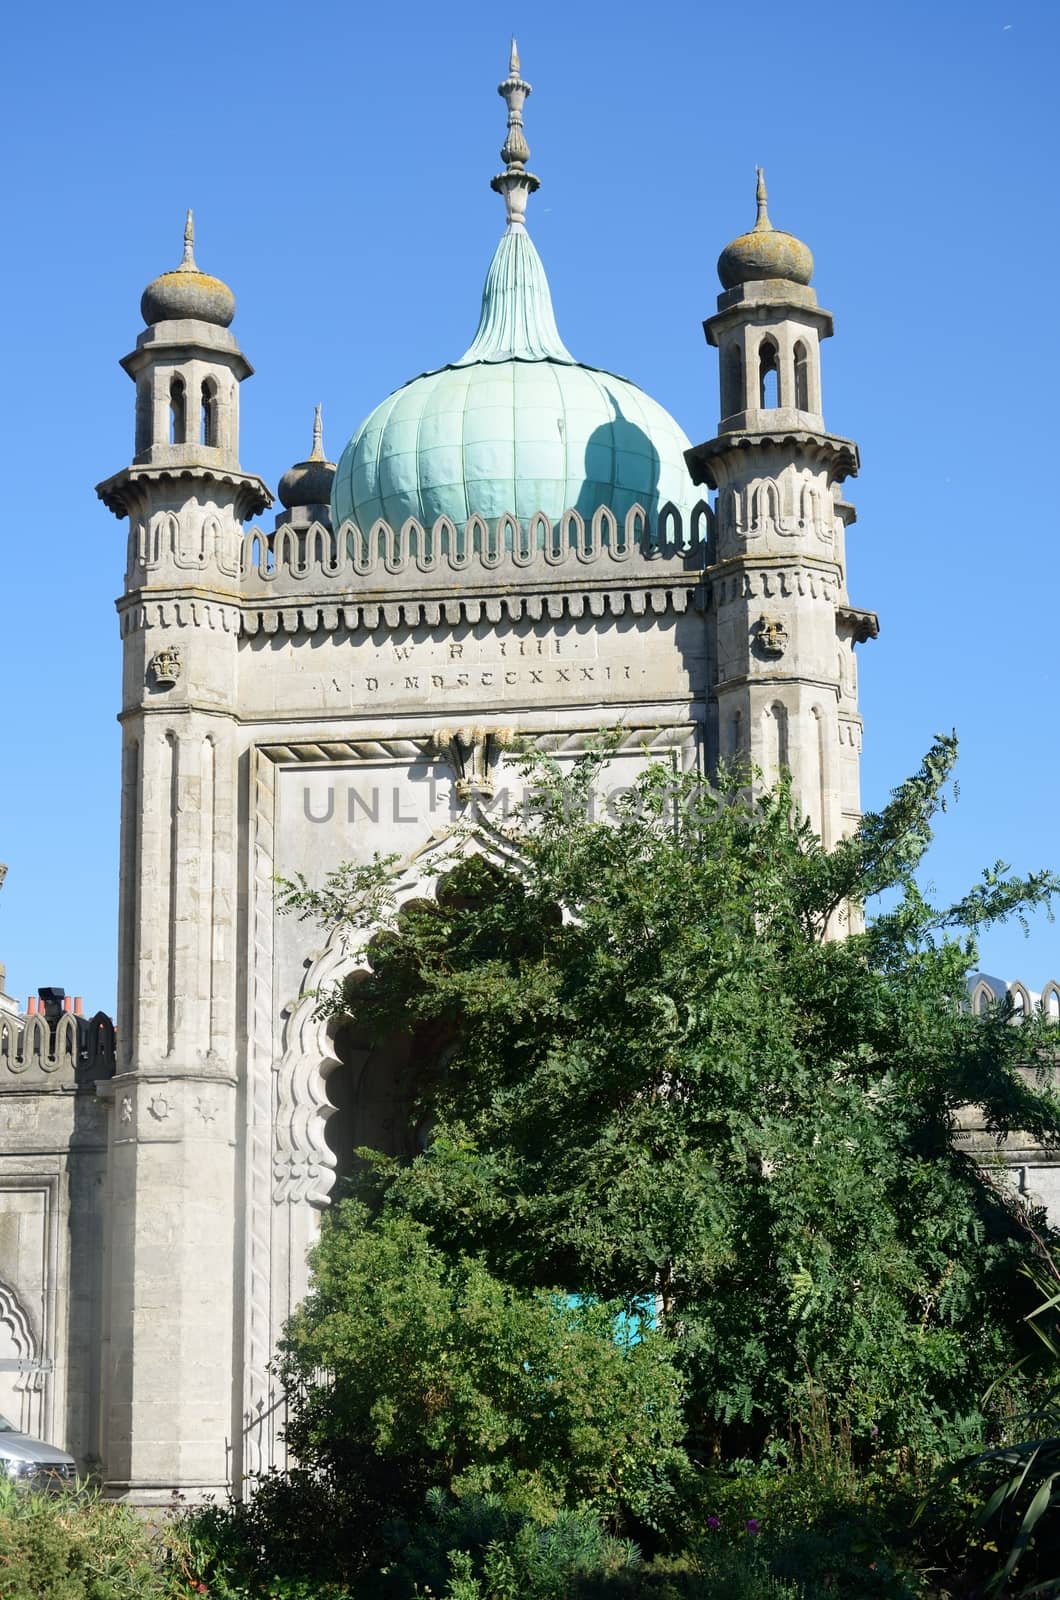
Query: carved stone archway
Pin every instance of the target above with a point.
(303, 1162)
(21, 1375)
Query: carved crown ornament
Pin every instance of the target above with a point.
(473, 754)
(770, 636)
(165, 667)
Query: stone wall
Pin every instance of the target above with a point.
(54, 1076)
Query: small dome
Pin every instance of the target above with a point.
(188, 293)
(308, 483)
(765, 252)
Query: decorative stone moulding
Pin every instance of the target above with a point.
(55, 1053)
(770, 635)
(828, 452)
(477, 554)
(411, 613)
(165, 668)
(790, 505)
(768, 583)
(177, 611)
(194, 541)
(474, 754)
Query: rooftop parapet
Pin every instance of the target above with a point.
(481, 555)
(38, 1052)
(985, 992)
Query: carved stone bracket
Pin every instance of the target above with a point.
(474, 753)
(858, 625)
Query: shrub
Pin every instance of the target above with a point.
(76, 1546)
(440, 1375)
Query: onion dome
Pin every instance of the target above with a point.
(517, 424)
(187, 292)
(765, 252)
(308, 483)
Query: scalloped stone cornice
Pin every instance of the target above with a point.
(125, 493)
(838, 456)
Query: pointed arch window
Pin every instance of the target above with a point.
(732, 399)
(768, 376)
(178, 411)
(208, 433)
(802, 377)
(144, 400)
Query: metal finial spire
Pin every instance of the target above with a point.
(515, 183)
(762, 221)
(188, 263)
(317, 452)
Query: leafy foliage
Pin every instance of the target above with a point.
(1021, 1476)
(441, 1373)
(661, 1076)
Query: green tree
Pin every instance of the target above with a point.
(663, 1078)
(438, 1374)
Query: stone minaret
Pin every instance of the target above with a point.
(784, 685)
(174, 1250)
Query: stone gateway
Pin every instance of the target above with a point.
(514, 549)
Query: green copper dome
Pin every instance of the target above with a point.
(517, 424)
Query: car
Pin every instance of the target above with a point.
(32, 1464)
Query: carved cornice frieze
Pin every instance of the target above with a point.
(413, 612)
(651, 737)
(737, 580)
(850, 730)
(345, 750)
(177, 611)
(654, 738)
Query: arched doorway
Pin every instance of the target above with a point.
(375, 1087)
(20, 1372)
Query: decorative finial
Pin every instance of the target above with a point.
(317, 452)
(762, 221)
(515, 183)
(188, 263)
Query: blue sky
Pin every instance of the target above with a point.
(338, 160)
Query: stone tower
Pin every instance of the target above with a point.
(783, 631)
(174, 1226)
(511, 547)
